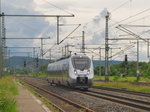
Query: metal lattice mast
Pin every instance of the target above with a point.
(100, 62)
(106, 49)
(3, 40)
(50, 54)
(83, 43)
(137, 69)
(1, 45)
(58, 30)
(42, 51)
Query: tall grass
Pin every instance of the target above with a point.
(8, 91)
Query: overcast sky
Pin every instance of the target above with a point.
(89, 13)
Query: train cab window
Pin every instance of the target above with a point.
(81, 63)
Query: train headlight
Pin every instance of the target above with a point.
(88, 72)
(75, 71)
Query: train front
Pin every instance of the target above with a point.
(81, 71)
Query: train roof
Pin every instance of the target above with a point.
(76, 55)
(63, 58)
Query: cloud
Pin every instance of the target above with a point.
(98, 38)
(18, 27)
(18, 7)
(25, 27)
(102, 15)
(96, 28)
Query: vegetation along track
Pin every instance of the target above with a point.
(80, 107)
(135, 103)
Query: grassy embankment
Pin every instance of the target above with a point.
(120, 83)
(125, 79)
(8, 92)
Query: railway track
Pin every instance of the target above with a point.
(123, 91)
(79, 107)
(98, 94)
(115, 89)
(135, 103)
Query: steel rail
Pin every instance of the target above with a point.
(122, 97)
(123, 91)
(61, 98)
(121, 100)
(57, 107)
(134, 103)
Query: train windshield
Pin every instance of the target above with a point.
(81, 63)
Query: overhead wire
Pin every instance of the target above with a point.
(139, 13)
(116, 9)
(132, 15)
(112, 12)
(139, 19)
(120, 6)
(64, 11)
(58, 7)
(85, 24)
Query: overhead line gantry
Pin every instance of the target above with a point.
(41, 16)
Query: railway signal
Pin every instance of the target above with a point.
(24, 64)
(126, 64)
(126, 58)
(37, 62)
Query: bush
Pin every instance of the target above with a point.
(128, 69)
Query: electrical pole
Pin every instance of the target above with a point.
(106, 50)
(34, 52)
(137, 71)
(148, 50)
(65, 50)
(99, 62)
(9, 58)
(34, 55)
(42, 51)
(92, 57)
(68, 50)
(83, 42)
(57, 30)
(1, 44)
(50, 54)
(68, 53)
(62, 50)
(126, 65)
(111, 53)
(3, 41)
